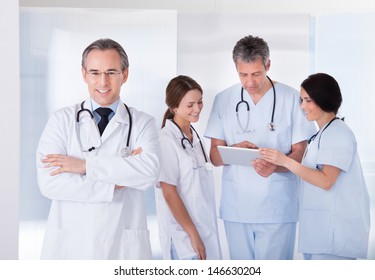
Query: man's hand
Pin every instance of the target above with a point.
(67, 164)
(245, 144)
(134, 152)
(137, 151)
(263, 168)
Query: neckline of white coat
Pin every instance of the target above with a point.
(177, 133)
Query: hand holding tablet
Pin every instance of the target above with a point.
(238, 156)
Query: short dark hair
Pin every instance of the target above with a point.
(106, 44)
(250, 49)
(324, 90)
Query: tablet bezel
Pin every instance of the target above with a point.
(237, 155)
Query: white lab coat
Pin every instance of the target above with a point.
(185, 169)
(88, 218)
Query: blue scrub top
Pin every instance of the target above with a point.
(246, 196)
(337, 221)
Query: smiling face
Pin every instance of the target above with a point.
(104, 87)
(309, 107)
(312, 111)
(189, 108)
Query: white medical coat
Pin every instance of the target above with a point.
(337, 221)
(246, 196)
(185, 169)
(88, 218)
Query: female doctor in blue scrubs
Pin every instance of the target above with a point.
(334, 201)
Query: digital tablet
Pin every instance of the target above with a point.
(238, 156)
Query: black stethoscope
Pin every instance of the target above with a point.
(271, 125)
(207, 165)
(124, 151)
(312, 138)
(316, 134)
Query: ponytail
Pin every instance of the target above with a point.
(167, 115)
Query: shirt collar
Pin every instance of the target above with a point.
(113, 106)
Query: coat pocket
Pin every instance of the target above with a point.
(136, 245)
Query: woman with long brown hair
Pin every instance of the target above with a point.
(185, 192)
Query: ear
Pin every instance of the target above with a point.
(268, 64)
(125, 75)
(84, 74)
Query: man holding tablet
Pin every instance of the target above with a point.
(259, 201)
(238, 156)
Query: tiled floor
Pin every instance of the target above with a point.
(31, 237)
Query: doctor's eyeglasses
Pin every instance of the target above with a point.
(96, 75)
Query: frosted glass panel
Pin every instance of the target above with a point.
(344, 48)
(51, 44)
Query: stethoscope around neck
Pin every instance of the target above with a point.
(125, 152)
(312, 138)
(207, 165)
(271, 125)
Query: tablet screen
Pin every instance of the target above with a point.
(238, 156)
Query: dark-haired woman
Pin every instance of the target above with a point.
(334, 201)
(185, 194)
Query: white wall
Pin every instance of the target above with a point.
(9, 140)
(217, 6)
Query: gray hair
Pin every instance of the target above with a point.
(106, 44)
(250, 49)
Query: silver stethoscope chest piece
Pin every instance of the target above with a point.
(271, 126)
(125, 152)
(208, 166)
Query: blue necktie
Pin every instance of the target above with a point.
(104, 113)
